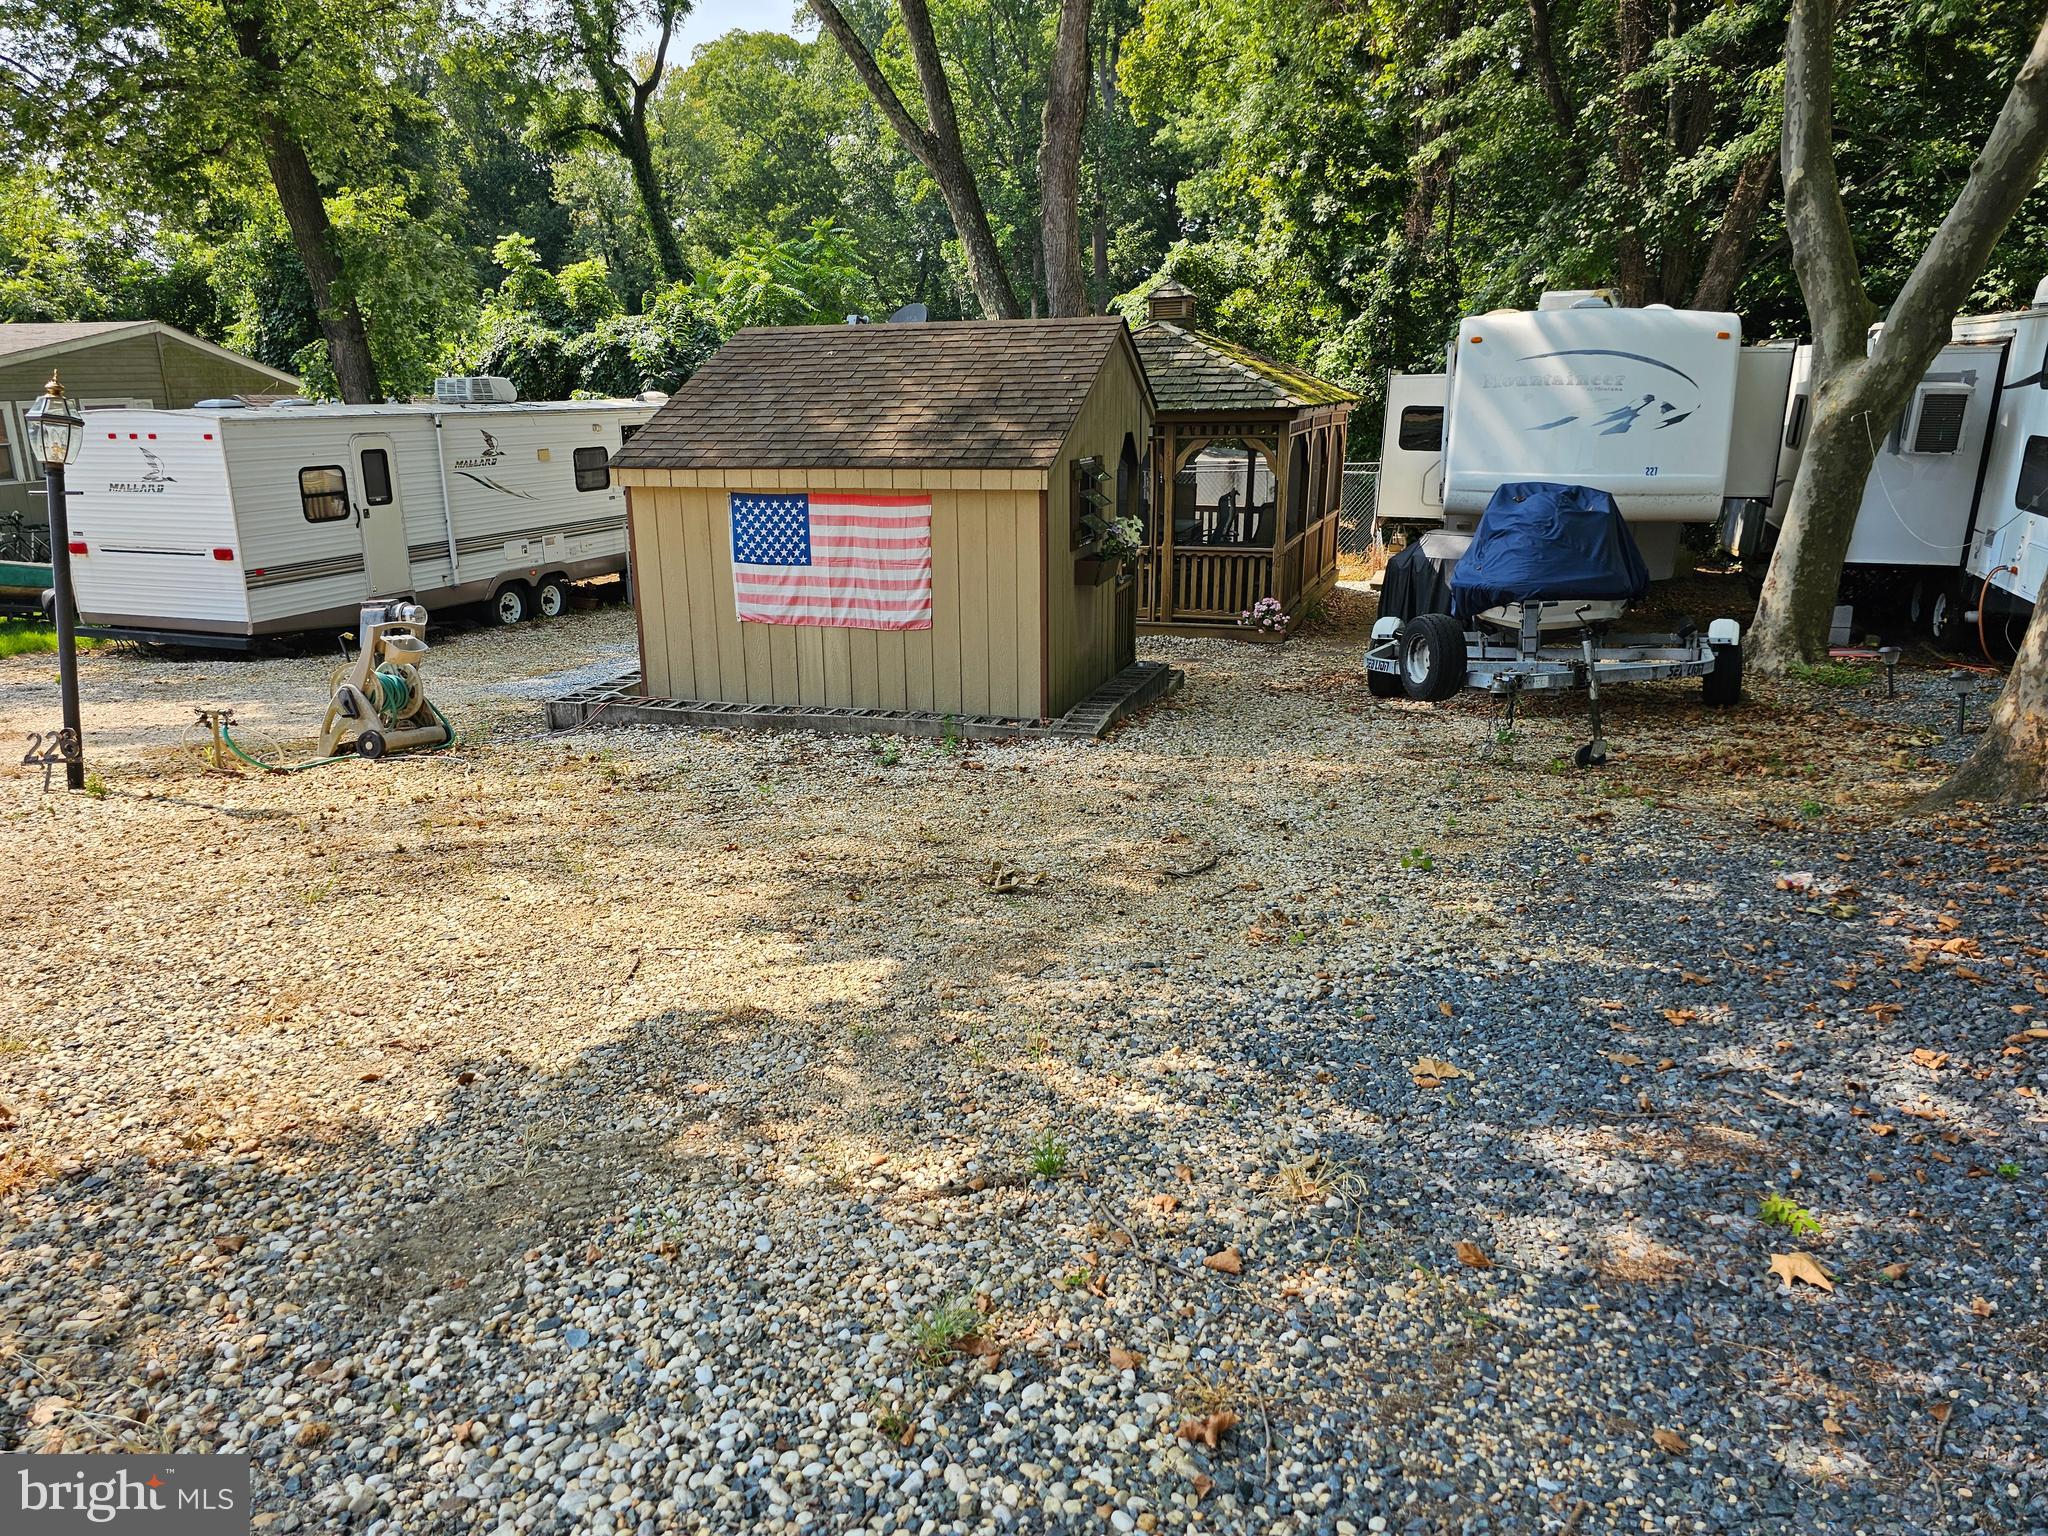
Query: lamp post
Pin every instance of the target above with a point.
(56, 436)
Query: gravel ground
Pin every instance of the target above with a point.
(1300, 1113)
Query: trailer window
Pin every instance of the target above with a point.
(593, 469)
(2032, 494)
(376, 477)
(1422, 429)
(323, 493)
(1795, 429)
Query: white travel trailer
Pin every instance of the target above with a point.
(224, 522)
(1954, 519)
(1664, 409)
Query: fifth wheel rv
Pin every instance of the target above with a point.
(1953, 527)
(219, 524)
(1664, 409)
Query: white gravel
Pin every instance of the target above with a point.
(635, 1130)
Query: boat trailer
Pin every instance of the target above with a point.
(1521, 647)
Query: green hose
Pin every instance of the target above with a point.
(447, 731)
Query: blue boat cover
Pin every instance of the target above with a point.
(1539, 542)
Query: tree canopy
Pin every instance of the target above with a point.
(371, 191)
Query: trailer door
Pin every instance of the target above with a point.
(381, 514)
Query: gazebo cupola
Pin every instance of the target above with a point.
(1247, 474)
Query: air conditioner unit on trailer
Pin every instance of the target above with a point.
(481, 389)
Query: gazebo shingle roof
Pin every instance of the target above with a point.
(964, 395)
(1193, 371)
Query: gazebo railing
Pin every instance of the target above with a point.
(1214, 584)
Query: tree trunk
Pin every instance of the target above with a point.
(1631, 129)
(639, 156)
(1746, 201)
(1059, 163)
(305, 211)
(935, 143)
(1860, 389)
(1805, 573)
(2011, 762)
(305, 214)
(1544, 58)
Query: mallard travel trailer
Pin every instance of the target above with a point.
(1664, 409)
(1954, 521)
(220, 523)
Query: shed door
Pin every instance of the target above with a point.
(381, 513)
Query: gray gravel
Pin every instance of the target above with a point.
(636, 1131)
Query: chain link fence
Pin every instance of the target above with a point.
(1357, 524)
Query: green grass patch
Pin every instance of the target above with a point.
(1835, 674)
(32, 637)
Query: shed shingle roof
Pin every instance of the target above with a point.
(1193, 371)
(31, 336)
(973, 394)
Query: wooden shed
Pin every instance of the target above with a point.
(891, 518)
(1247, 475)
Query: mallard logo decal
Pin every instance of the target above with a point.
(479, 467)
(154, 478)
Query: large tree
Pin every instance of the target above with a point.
(161, 101)
(936, 139)
(1860, 387)
(604, 89)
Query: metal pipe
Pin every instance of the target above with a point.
(447, 506)
(66, 618)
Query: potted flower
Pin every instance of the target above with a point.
(1266, 620)
(1112, 548)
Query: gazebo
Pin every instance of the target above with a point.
(1247, 475)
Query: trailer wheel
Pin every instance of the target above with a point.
(1432, 657)
(1722, 687)
(512, 605)
(1945, 616)
(551, 598)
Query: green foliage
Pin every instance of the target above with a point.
(1048, 1155)
(809, 280)
(940, 1329)
(1779, 1211)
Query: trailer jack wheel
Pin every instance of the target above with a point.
(1592, 755)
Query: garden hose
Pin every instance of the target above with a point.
(447, 731)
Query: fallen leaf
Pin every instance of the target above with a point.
(1472, 1256)
(1429, 1072)
(1679, 1015)
(1123, 1359)
(1799, 1265)
(1933, 1061)
(1893, 1272)
(1210, 1430)
(1979, 1307)
(312, 1433)
(1228, 1262)
(1203, 1484)
(1830, 1425)
(1696, 979)
(1444, 1009)
(231, 1242)
(1164, 1203)
(1670, 1440)
(1623, 1058)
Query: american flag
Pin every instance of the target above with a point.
(837, 558)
